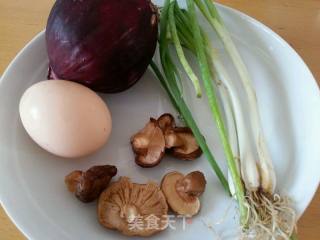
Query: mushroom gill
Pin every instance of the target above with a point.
(130, 207)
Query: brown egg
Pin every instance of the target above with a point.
(65, 118)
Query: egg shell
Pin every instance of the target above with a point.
(65, 118)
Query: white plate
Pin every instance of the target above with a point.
(32, 190)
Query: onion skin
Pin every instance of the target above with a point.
(106, 45)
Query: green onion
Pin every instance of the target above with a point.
(262, 213)
(269, 214)
(169, 83)
(180, 52)
(214, 106)
(268, 178)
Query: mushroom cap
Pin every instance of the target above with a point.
(149, 145)
(124, 204)
(179, 203)
(166, 121)
(182, 143)
(88, 185)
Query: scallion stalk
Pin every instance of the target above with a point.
(270, 215)
(214, 106)
(268, 178)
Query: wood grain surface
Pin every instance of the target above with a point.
(297, 21)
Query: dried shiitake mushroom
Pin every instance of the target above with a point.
(166, 121)
(130, 208)
(149, 145)
(179, 140)
(181, 143)
(88, 185)
(159, 135)
(182, 192)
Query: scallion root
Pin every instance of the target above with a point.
(269, 217)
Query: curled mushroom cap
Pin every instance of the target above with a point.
(182, 143)
(133, 209)
(149, 145)
(166, 121)
(182, 192)
(88, 185)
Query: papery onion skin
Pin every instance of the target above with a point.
(106, 45)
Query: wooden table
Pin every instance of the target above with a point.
(297, 21)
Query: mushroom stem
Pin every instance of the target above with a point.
(182, 143)
(72, 180)
(172, 139)
(193, 184)
(130, 213)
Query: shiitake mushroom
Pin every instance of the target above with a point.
(182, 191)
(160, 136)
(124, 202)
(88, 185)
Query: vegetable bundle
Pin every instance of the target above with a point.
(264, 214)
